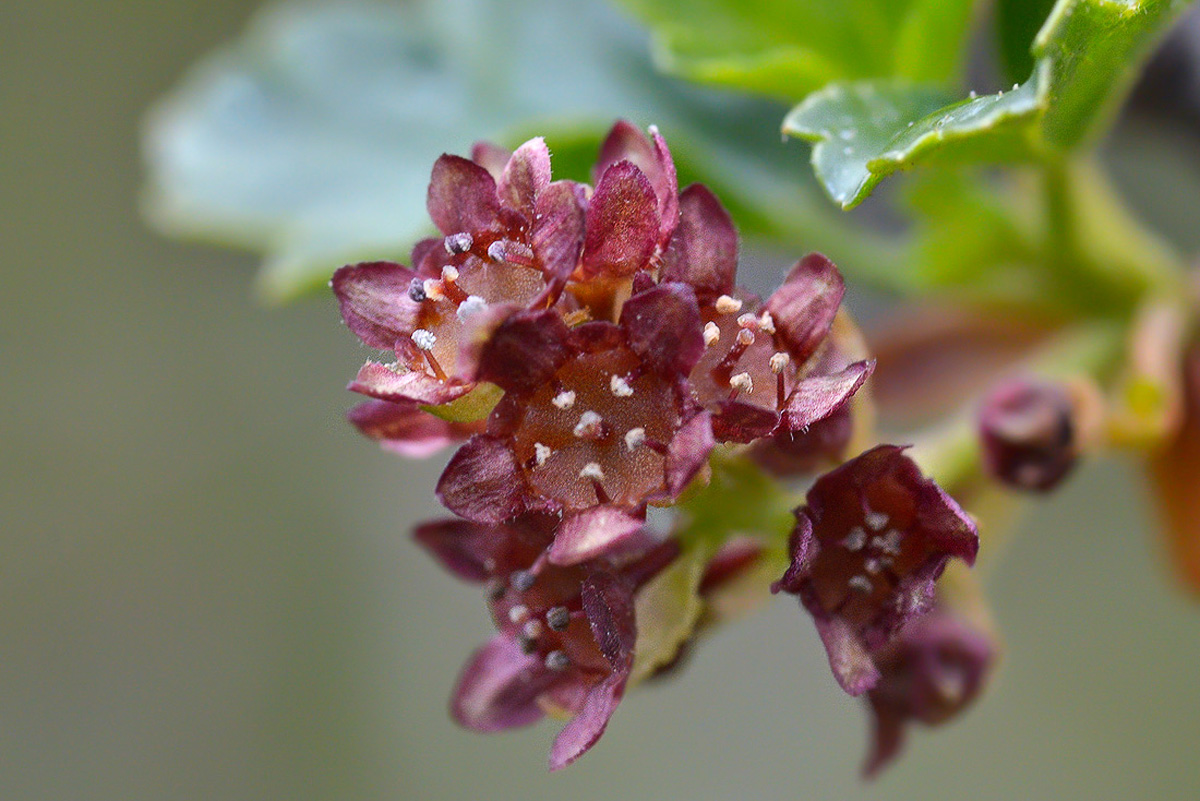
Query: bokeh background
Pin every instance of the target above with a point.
(206, 586)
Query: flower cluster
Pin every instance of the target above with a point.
(592, 348)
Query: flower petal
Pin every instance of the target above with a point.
(666, 186)
(586, 728)
(592, 533)
(462, 196)
(405, 429)
(374, 301)
(816, 397)
(703, 251)
(399, 384)
(625, 142)
(526, 175)
(483, 482)
(558, 230)
(804, 307)
(622, 222)
(608, 605)
(491, 157)
(688, 452)
(522, 351)
(499, 686)
(462, 547)
(849, 658)
(663, 326)
(743, 422)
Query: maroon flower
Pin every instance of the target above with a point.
(405, 429)
(566, 633)
(762, 372)
(870, 543)
(512, 240)
(596, 422)
(931, 672)
(1028, 432)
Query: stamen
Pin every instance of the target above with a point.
(876, 520)
(557, 660)
(712, 333)
(564, 400)
(495, 589)
(855, 540)
(470, 306)
(873, 565)
(510, 252)
(779, 361)
(767, 323)
(745, 337)
(425, 340)
(522, 580)
(528, 644)
(433, 289)
(450, 273)
(620, 387)
(542, 453)
(433, 365)
(458, 243)
(634, 437)
(747, 320)
(533, 628)
(518, 613)
(860, 583)
(742, 382)
(889, 543)
(416, 290)
(593, 471)
(590, 426)
(558, 618)
(727, 305)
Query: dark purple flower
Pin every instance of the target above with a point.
(762, 372)
(404, 429)
(511, 240)
(868, 546)
(566, 633)
(1028, 432)
(931, 672)
(595, 431)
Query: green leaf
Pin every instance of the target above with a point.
(788, 48)
(668, 610)
(863, 132)
(311, 138)
(1085, 58)
(1017, 22)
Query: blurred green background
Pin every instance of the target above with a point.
(207, 590)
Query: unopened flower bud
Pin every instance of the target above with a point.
(1029, 434)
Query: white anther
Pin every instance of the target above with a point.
(889, 543)
(712, 333)
(592, 470)
(873, 565)
(779, 361)
(860, 583)
(855, 540)
(747, 320)
(470, 306)
(766, 322)
(533, 628)
(450, 273)
(620, 387)
(518, 613)
(496, 251)
(589, 424)
(728, 305)
(742, 382)
(634, 437)
(876, 520)
(458, 243)
(541, 453)
(564, 399)
(745, 337)
(653, 129)
(423, 339)
(433, 289)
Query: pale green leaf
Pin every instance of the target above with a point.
(788, 48)
(311, 138)
(1086, 55)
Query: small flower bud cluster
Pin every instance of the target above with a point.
(592, 348)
